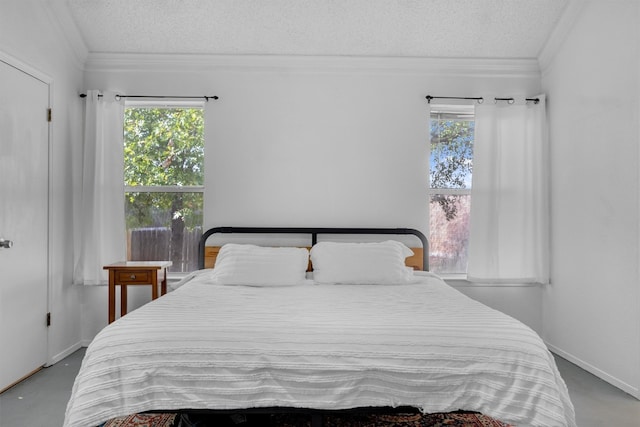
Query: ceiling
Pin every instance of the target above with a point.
(504, 29)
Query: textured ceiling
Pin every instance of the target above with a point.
(413, 28)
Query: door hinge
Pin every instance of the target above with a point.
(48, 319)
(49, 114)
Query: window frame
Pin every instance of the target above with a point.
(459, 109)
(169, 104)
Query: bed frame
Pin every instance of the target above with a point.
(419, 261)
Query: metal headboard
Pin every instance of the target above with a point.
(314, 231)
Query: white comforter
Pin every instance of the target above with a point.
(314, 346)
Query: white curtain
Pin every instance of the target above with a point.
(100, 224)
(509, 224)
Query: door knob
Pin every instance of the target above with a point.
(5, 243)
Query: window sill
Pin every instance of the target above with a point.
(460, 281)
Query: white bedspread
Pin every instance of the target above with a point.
(323, 347)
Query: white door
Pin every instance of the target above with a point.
(24, 175)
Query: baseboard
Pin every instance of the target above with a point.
(616, 382)
(64, 353)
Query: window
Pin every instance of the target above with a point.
(450, 170)
(164, 182)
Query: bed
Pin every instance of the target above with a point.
(357, 331)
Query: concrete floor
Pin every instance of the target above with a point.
(598, 403)
(40, 400)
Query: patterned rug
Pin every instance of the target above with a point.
(142, 420)
(453, 419)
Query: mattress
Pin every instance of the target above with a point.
(329, 347)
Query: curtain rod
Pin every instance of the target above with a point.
(206, 98)
(480, 100)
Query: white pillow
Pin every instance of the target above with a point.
(361, 263)
(239, 264)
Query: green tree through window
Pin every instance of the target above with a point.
(164, 182)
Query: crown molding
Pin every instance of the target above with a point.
(129, 62)
(560, 33)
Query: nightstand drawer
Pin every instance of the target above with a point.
(133, 276)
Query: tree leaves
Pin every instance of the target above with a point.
(163, 147)
(451, 159)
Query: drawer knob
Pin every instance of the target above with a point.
(133, 277)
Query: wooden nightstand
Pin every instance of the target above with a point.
(130, 273)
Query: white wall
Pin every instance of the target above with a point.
(325, 149)
(302, 141)
(591, 310)
(30, 34)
